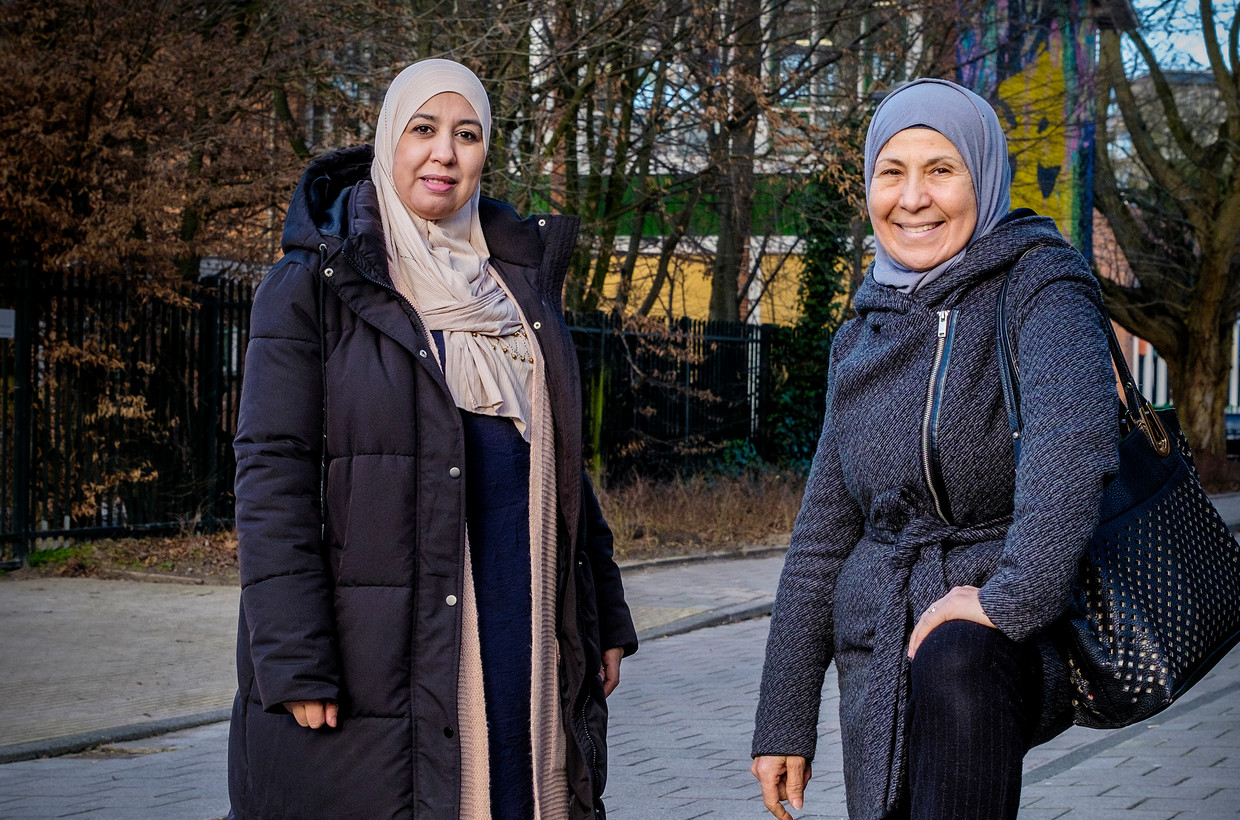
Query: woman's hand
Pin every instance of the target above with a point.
(959, 604)
(782, 778)
(313, 714)
(610, 670)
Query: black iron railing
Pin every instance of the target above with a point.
(118, 402)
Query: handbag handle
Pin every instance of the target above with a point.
(1138, 411)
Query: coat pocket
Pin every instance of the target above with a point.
(360, 770)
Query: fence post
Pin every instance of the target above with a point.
(766, 332)
(209, 366)
(23, 391)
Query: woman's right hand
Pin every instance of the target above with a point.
(782, 778)
(313, 714)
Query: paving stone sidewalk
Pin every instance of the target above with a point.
(106, 668)
(683, 717)
(681, 722)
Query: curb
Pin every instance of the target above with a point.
(704, 620)
(70, 744)
(748, 551)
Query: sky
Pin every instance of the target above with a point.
(1188, 41)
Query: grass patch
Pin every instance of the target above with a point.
(60, 557)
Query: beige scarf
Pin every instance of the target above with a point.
(441, 266)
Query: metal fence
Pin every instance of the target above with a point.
(663, 396)
(117, 407)
(118, 404)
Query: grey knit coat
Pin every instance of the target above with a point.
(871, 549)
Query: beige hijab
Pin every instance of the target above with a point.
(441, 267)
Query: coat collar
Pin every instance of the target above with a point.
(989, 258)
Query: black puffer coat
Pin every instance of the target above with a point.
(359, 605)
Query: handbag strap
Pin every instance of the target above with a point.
(1138, 412)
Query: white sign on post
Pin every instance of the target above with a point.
(8, 323)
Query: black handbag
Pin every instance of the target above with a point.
(1157, 601)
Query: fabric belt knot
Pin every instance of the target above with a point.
(890, 513)
(917, 563)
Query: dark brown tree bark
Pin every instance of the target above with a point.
(1174, 208)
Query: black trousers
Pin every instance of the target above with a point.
(975, 704)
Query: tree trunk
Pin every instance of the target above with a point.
(735, 145)
(1175, 214)
(735, 200)
(1203, 377)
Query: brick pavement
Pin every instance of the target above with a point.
(681, 722)
(177, 776)
(78, 659)
(684, 713)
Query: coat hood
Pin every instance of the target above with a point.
(990, 257)
(336, 205)
(319, 205)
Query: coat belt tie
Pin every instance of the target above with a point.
(918, 577)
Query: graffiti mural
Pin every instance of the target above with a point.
(1034, 61)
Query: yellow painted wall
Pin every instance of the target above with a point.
(688, 291)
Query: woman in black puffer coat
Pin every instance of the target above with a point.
(431, 617)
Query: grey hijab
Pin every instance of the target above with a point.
(970, 124)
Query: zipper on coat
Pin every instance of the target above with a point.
(585, 730)
(931, 468)
(585, 723)
(415, 317)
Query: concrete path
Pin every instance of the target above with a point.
(85, 661)
(128, 683)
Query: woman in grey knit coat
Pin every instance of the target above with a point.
(923, 562)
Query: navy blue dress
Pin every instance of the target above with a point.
(497, 503)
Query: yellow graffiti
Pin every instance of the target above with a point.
(1036, 102)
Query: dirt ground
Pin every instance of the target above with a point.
(212, 559)
(191, 558)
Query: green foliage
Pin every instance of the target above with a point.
(57, 557)
(799, 363)
(736, 457)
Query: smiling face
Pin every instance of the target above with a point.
(439, 157)
(921, 199)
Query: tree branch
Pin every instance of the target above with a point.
(1222, 76)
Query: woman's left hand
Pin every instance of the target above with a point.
(959, 604)
(610, 671)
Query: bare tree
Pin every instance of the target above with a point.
(144, 142)
(1174, 208)
(136, 141)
